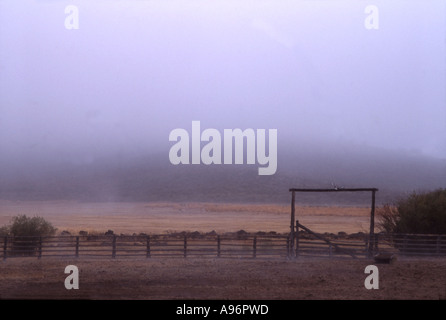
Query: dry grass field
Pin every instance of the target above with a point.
(210, 278)
(156, 218)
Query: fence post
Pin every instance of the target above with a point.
(39, 255)
(366, 249)
(5, 247)
(114, 247)
(438, 245)
(293, 213)
(77, 247)
(405, 244)
(218, 246)
(148, 254)
(376, 242)
(297, 238)
(372, 226)
(288, 246)
(254, 247)
(185, 247)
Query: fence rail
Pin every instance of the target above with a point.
(413, 244)
(226, 246)
(144, 246)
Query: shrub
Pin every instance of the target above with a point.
(388, 218)
(35, 226)
(25, 233)
(418, 213)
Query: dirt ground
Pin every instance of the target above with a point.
(234, 279)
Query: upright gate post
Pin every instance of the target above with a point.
(297, 239)
(77, 248)
(293, 211)
(372, 226)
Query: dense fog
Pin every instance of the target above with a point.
(91, 90)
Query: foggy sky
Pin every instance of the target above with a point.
(135, 70)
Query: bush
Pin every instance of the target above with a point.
(388, 218)
(26, 233)
(35, 226)
(422, 213)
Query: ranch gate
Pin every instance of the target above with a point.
(294, 226)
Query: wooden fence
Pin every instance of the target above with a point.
(146, 246)
(224, 246)
(412, 244)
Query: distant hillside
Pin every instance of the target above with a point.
(153, 178)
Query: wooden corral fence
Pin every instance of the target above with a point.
(308, 244)
(148, 246)
(412, 244)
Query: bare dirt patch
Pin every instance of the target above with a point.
(257, 279)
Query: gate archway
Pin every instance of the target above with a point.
(293, 191)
